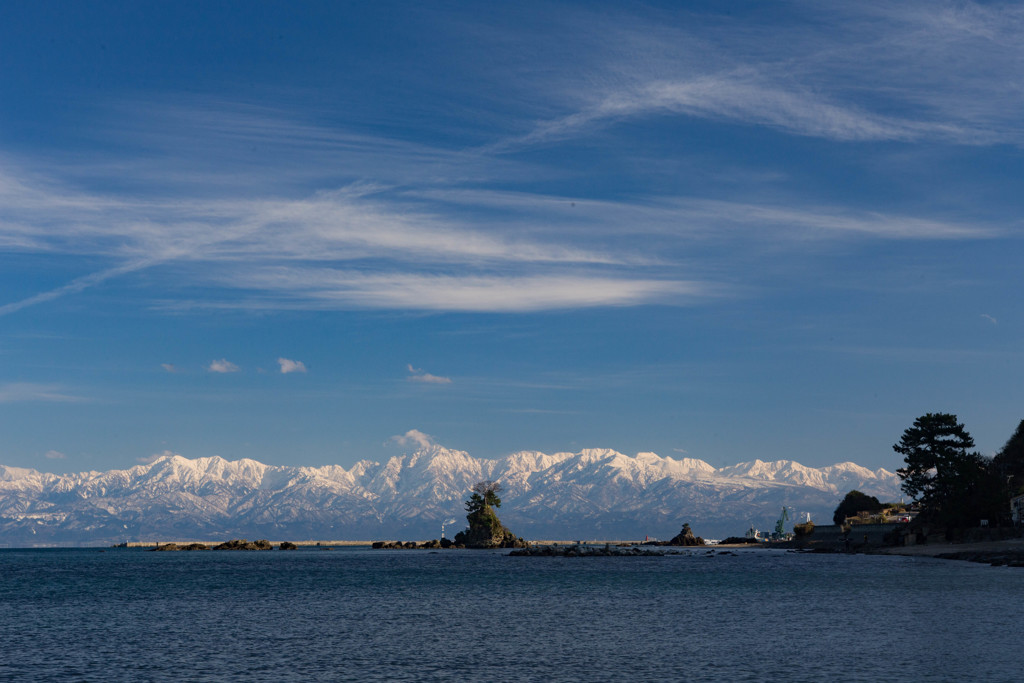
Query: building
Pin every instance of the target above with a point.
(1017, 510)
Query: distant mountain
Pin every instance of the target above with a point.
(596, 493)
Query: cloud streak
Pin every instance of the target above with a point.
(883, 74)
(417, 375)
(408, 226)
(22, 392)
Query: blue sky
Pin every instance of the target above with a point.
(295, 231)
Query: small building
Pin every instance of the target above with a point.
(1017, 510)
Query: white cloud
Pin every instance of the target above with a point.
(169, 367)
(417, 375)
(222, 366)
(414, 436)
(53, 455)
(333, 289)
(149, 459)
(291, 365)
(989, 318)
(427, 378)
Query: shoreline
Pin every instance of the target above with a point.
(1008, 546)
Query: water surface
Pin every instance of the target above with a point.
(354, 614)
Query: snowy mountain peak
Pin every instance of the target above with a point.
(592, 493)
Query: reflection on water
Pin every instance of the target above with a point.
(464, 615)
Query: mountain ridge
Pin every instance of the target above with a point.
(588, 494)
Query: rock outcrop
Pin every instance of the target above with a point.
(413, 545)
(686, 538)
(242, 544)
(683, 538)
(174, 546)
(585, 551)
(486, 531)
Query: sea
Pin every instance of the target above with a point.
(356, 614)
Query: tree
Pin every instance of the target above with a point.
(952, 482)
(1008, 463)
(855, 502)
(486, 493)
(485, 529)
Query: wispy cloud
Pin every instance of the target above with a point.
(54, 455)
(989, 318)
(288, 366)
(883, 74)
(330, 237)
(413, 436)
(222, 366)
(417, 375)
(406, 225)
(332, 289)
(18, 392)
(744, 98)
(169, 367)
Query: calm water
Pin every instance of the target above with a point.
(68, 615)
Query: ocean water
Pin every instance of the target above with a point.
(355, 614)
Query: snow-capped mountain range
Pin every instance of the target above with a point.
(596, 493)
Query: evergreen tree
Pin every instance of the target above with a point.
(485, 529)
(953, 483)
(1008, 463)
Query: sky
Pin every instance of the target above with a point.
(315, 233)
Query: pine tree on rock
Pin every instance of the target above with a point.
(485, 529)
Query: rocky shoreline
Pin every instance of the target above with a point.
(608, 550)
(993, 558)
(234, 544)
(413, 545)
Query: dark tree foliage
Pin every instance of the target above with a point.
(954, 484)
(485, 529)
(1008, 463)
(853, 503)
(485, 493)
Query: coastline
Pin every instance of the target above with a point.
(1010, 546)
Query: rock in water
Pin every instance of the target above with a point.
(485, 529)
(242, 544)
(686, 537)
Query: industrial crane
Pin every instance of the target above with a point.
(780, 530)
